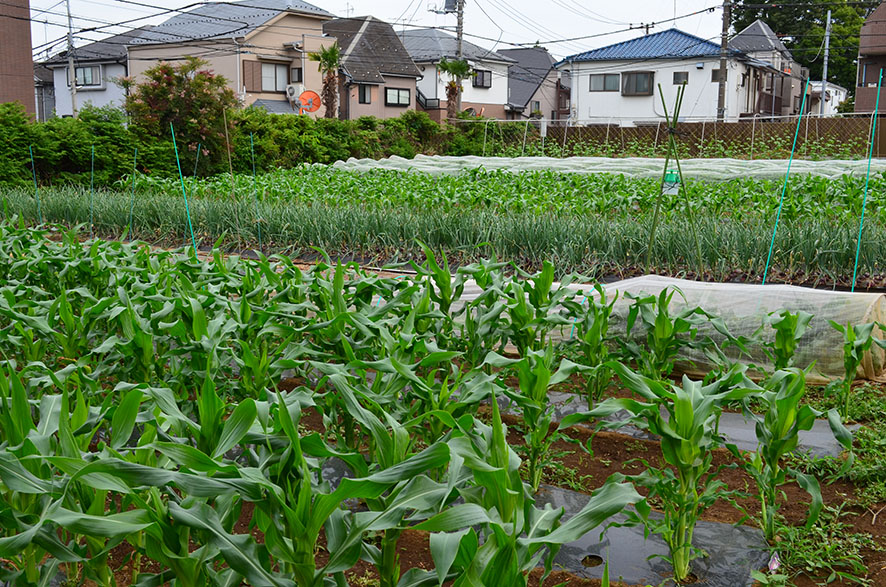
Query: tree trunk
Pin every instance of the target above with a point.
(452, 89)
(330, 88)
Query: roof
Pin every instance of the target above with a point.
(42, 75)
(112, 48)
(433, 45)
(669, 44)
(815, 87)
(757, 36)
(275, 106)
(222, 20)
(370, 48)
(528, 73)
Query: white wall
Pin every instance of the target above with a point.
(699, 101)
(433, 84)
(108, 94)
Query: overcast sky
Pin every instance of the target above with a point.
(494, 24)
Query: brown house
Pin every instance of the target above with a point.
(871, 60)
(16, 64)
(260, 46)
(378, 76)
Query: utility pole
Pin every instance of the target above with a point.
(824, 71)
(724, 52)
(72, 76)
(459, 40)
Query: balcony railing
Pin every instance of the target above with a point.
(425, 102)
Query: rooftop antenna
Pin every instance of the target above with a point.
(349, 10)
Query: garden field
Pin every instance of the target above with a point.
(168, 419)
(596, 224)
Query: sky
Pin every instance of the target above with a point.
(491, 24)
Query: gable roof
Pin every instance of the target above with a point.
(669, 44)
(370, 48)
(112, 48)
(223, 20)
(528, 73)
(757, 36)
(433, 45)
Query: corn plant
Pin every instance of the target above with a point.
(857, 340)
(592, 339)
(498, 535)
(686, 419)
(536, 372)
(789, 328)
(530, 308)
(777, 428)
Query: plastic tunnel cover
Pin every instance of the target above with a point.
(743, 307)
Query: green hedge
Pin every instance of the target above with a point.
(63, 146)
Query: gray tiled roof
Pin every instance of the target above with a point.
(370, 48)
(110, 49)
(758, 37)
(275, 106)
(433, 45)
(215, 20)
(525, 77)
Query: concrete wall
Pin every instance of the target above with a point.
(108, 94)
(377, 106)
(16, 65)
(699, 100)
(271, 43)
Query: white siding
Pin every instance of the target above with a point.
(433, 85)
(108, 94)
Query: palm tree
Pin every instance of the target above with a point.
(458, 69)
(329, 61)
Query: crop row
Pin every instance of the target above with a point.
(141, 409)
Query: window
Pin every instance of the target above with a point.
(482, 78)
(553, 115)
(681, 77)
(365, 93)
(295, 75)
(397, 97)
(715, 75)
(535, 107)
(637, 83)
(604, 82)
(274, 77)
(86, 76)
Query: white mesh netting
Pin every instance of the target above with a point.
(711, 169)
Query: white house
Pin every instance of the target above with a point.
(487, 92)
(833, 97)
(96, 67)
(619, 83)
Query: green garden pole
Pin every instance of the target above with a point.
(184, 192)
(92, 194)
(255, 190)
(132, 197)
(785, 186)
(867, 179)
(36, 189)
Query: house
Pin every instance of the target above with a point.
(871, 60)
(618, 83)
(834, 95)
(44, 92)
(16, 64)
(96, 68)
(485, 93)
(533, 83)
(259, 46)
(378, 76)
(785, 75)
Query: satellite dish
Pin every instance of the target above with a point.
(309, 101)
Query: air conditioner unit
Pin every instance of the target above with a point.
(293, 91)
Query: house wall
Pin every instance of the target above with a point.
(271, 43)
(699, 100)
(377, 106)
(491, 100)
(16, 65)
(109, 94)
(868, 75)
(546, 95)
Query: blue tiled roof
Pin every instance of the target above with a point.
(669, 44)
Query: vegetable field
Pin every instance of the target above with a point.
(598, 225)
(168, 419)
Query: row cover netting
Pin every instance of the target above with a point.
(743, 307)
(709, 169)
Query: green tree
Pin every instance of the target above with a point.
(192, 98)
(329, 60)
(457, 70)
(801, 26)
